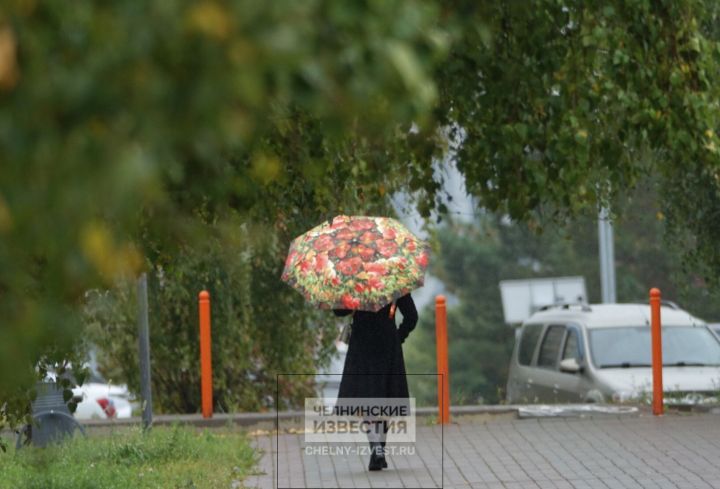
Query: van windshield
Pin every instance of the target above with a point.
(628, 347)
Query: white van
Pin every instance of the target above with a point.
(602, 353)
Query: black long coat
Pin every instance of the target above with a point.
(374, 365)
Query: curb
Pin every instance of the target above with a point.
(249, 419)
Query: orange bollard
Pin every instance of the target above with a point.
(442, 360)
(656, 332)
(205, 355)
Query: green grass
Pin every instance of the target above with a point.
(177, 457)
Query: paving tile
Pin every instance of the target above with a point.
(604, 453)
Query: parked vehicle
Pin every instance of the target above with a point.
(602, 353)
(99, 399)
(114, 401)
(715, 327)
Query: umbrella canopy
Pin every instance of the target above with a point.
(356, 262)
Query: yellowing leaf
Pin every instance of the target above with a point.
(9, 70)
(6, 220)
(26, 7)
(109, 260)
(210, 19)
(265, 168)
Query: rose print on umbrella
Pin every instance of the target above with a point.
(357, 262)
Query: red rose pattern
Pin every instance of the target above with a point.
(389, 234)
(374, 283)
(376, 268)
(321, 262)
(341, 250)
(323, 243)
(387, 248)
(365, 252)
(305, 266)
(356, 263)
(362, 224)
(344, 235)
(350, 266)
(349, 302)
(368, 238)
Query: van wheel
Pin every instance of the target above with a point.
(594, 397)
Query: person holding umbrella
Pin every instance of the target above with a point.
(364, 266)
(374, 365)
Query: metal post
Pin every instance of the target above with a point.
(205, 355)
(442, 360)
(144, 352)
(607, 257)
(657, 363)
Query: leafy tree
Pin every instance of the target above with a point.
(260, 325)
(568, 103)
(258, 329)
(555, 110)
(473, 259)
(118, 120)
(561, 107)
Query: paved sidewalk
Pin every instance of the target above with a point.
(632, 452)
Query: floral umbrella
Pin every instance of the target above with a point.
(356, 262)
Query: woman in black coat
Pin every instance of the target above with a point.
(374, 365)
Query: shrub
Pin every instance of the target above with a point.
(260, 327)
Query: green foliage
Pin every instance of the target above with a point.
(259, 326)
(648, 254)
(264, 325)
(119, 121)
(236, 250)
(556, 109)
(472, 259)
(567, 103)
(470, 263)
(165, 457)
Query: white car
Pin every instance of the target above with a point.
(601, 353)
(100, 399)
(715, 327)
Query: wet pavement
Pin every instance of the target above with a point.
(614, 452)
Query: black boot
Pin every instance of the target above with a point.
(383, 462)
(382, 444)
(376, 462)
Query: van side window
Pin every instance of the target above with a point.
(550, 348)
(572, 345)
(528, 340)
